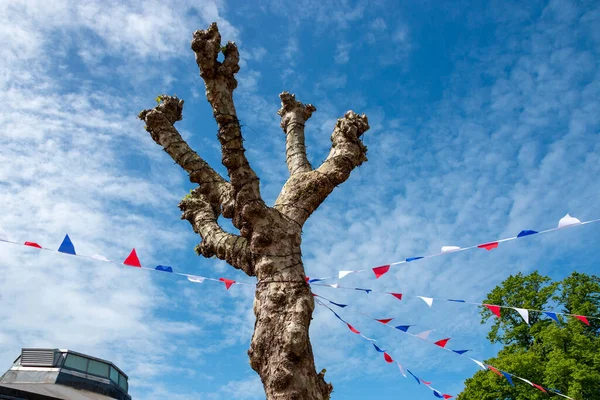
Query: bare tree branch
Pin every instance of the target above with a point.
(304, 192)
(220, 83)
(294, 114)
(198, 210)
(159, 122)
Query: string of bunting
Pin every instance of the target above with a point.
(566, 222)
(132, 260)
(441, 344)
(387, 357)
(495, 309)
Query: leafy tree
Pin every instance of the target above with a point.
(268, 244)
(564, 356)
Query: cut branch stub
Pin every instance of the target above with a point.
(294, 114)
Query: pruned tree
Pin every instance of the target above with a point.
(269, 242)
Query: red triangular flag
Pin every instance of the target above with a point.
(384, 321)
(582, 319)
(306, 279)
(380, 271)
(426, 383)
(228, 282)
(388, 358)
(494, 309)
(132, 260)
(494, 370)
(353, 329)
(446, 396)
(539, 387)
(488, 246)
(33, 244)
(442, 343)
(397, 295)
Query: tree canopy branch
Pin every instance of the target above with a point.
(304, 192)
(294, 114)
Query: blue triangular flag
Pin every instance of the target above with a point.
(338, 317)
(403, 328)
(337, 304)
(461, 352)
(315, 280)
(366, 290)
(378, 348)
(413, 375)
(164, 268)
(508, 378)
(413, 259)
(456, 301)
(437, 394)
(526, 233)
(552, 315)
(67, 246)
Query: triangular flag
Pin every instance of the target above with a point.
(342, 274)
(437, 394)
(508, 378)
(525, 380)
(413, 259)
(352, 329)
(478, 363)
(338, 304)
(524, 313)
(424, 335)
(413, 375)
(99, 257)
(403, 328)
(397, 295)
(582, 319)
(33, 244)
(425, 382)
(132, 260)
(494, 309)
(67, 246)
(368, 338)
(427, 300)
(401, 369)
(227, 282)
(488, 246)
(314, 280)
(387, 358)
(461, 352)
(364, 290)
(551, 315)
(567, 220)
(334, 285)
(195, 279)
(539, 387)
(380, 271)
(378, 348)
(164, 268)
(307, 279)
(384, 321)
(446, 396)
(450, 249)
(526, 233)
(456, 301)
(442, 343)
(494, 370)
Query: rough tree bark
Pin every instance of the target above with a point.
(268, 246)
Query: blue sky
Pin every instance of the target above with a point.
(484, 121)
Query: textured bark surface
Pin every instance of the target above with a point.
(269, 244)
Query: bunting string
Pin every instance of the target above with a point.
(495, 309)
(387, 357)
(442, 344)
(566, 222)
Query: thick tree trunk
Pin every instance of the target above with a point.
(268, 245)
(281, 352)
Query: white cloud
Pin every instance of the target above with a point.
(342, 53)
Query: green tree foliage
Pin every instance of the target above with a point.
(564, 356)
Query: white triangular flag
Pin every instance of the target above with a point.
(478, 363)
(99, 257)
(525, 380)
(334, 285)
(196, 279)
(424, 335)
(524, 313)
(342, 274)
(401, 369)
(567, 220)
(450, 249)
(368, 338)
(427, 300)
